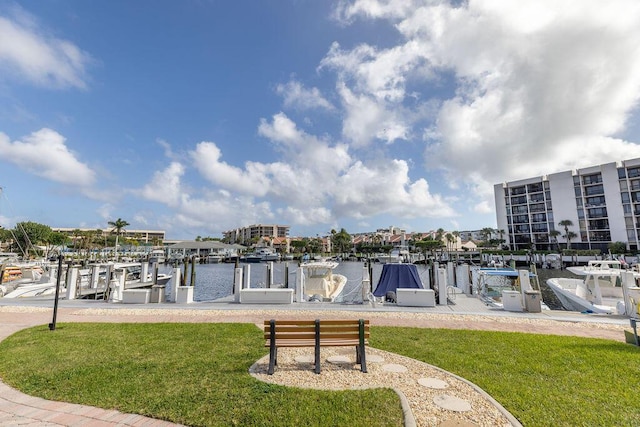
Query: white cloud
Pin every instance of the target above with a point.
(541, 85)
(27, 52)
(253, 180)
(44, 153)
(165, 186)
(297, 96)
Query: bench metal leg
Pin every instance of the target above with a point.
(317, 355)
(362, 355)
(273, 351)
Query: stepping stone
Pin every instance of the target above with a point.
(339, 359)
(394, 367)
(433, 383)
(375, 358)
(452, 403)
(305, 359)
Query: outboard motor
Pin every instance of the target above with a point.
(390, 296)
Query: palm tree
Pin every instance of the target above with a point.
(118, 228)
(568, 235)
(554, 237)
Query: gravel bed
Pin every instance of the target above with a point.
(295, 369)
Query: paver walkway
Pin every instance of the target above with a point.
(19, 409)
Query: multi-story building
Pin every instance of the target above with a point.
(245, 235)
(602, 202)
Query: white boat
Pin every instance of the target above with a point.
(320, 283)
(394, 257)
(157, 256)
(46, 285)
(604, 288)
(503, 287)
(215, 258)
(261, 255)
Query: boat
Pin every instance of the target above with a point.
(320, 283)
(261, 255)
(603, 288)
(503, 287)
(215, 258)
(45, 286)
(394, 257)
(157, 256)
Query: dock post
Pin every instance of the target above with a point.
(366, 284)
(144, 271)
(269, 274)
(299, 284)
(71, 283)
(442, 286)
(247, 276)
(237, 283)
(177, 280)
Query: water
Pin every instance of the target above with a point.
(214, 281)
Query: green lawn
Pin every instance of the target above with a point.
(196, 374)
(543, 380)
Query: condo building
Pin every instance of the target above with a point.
(602, 202)
(245, 235)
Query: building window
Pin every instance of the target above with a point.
(535, 198)
(539, 228)
(577, 191)
(518, 190)
(625, 197)
(594, 190)
(599, 224)
(597, 212)
(539, 218)
(600, 236)
(595, 201)
(633, 172)
(520, 200)
(535, 188)
(592, 179)
(621, 173)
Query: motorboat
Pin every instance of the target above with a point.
(394, 257)
(86, 286)
(604, 287)
(320, 283)
(157, 256)
(503, 287)
(261, 255)
(215, 258)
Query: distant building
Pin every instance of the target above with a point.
(154, 237)
(245, 235)
(602, 202)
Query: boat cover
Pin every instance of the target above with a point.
(395, 276)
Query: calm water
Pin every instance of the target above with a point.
(215, 281)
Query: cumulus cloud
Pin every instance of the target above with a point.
(44, 153)
(165, 186)
(536, 82)
(297, 96)
(28, 53)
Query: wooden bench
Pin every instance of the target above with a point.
(316, 333)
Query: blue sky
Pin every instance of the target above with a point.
(197, 117)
